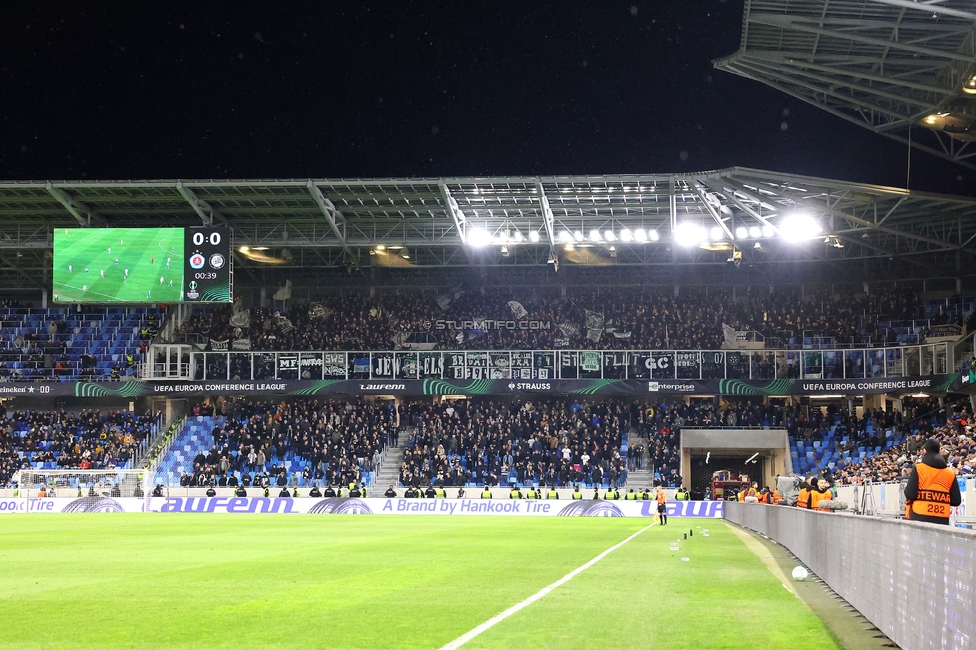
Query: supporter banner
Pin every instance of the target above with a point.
(352, 506)
(482, 383)
(942, 331)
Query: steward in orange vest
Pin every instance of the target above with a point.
(803, 500)
(662, 506)
(821, 492)
(932, 488)
(750, 491)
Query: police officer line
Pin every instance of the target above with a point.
(470, 492)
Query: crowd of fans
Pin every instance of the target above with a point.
(482, 441)
(605, 319)
(335, 441)
(89, 439)
(952, 427)
(554, 442)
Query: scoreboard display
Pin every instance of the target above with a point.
(206, 277)
(141, 265)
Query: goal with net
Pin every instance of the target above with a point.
(102, 483)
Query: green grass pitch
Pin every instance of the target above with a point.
(346, 581)
(86, 257)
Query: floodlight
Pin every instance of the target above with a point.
(768, 231)
(741, 232)
(478, 237)
(799, 227)
(716, 233)
(640, 235)
(595, 235)
(689, 234)
(609, 235)
(653, 235)
(565, 236)
(518, 236)
(755, 232)
(578, 235)
(533, 236)
(626, 235)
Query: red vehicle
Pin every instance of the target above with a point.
(726, 482)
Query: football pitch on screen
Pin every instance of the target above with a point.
(344, 581)
(90, 265)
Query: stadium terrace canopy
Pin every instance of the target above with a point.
(883, 64)
(653, 219)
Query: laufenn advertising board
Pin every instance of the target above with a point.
(370, 506)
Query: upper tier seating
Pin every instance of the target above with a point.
(109, 334)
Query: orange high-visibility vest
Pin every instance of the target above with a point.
(803, 501)
(933, 492)
(816, 496)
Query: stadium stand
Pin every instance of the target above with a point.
(549, 441)
(629, 319)
(554, 442)
(286, 443)
(952, 427)
(831, 440)
(63, 440)
(65, 344)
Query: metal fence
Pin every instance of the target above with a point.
(182, 362)
(914, 581)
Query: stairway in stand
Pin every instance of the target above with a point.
(640, 478)
(389, 470)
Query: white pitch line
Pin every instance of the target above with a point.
(464, 638)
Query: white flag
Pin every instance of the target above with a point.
(517, 309)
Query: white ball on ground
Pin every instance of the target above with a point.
(800, 574)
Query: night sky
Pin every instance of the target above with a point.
(132, 90)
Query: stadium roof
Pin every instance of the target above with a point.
(883, 64)
(520, 221)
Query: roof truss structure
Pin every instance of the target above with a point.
(538, 220)
(886, 65)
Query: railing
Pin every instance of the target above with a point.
(147, 444)
(179, 362)
(162, 448)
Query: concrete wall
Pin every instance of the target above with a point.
(912, 580)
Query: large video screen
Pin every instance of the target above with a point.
(131, 265)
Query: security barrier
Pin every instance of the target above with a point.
(912, 580)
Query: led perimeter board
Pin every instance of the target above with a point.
(139, 265)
